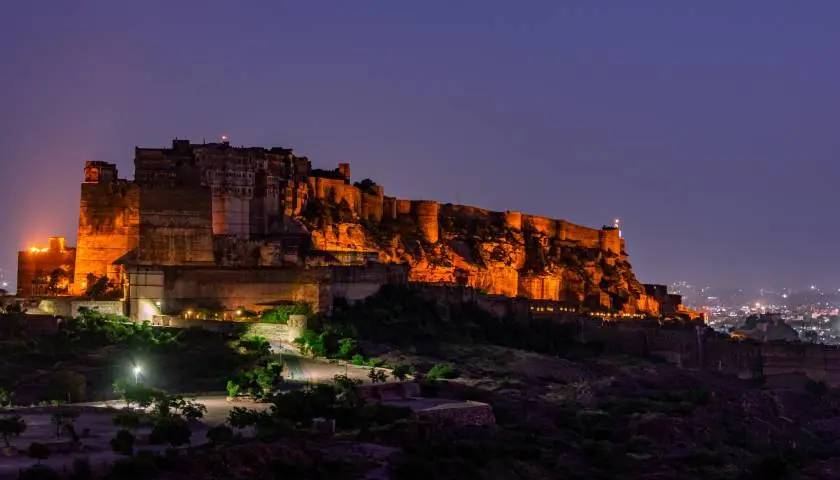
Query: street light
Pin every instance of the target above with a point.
(137, 372)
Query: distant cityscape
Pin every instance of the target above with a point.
(813, 312)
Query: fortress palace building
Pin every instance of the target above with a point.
(217, 228)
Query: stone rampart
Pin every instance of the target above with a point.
(426, 215)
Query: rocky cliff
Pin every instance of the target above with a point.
(505, 253)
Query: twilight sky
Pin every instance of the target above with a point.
(711, 131)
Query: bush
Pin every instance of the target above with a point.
(358, 360)
(281, 313)
(377, 376)
(11, 426)
(38, 451)
(254, 345)
(220, 435)
(312, 343)
(346, 348)
(136, 393)
(170, 430)
(232, 388)
(123, 443)
(402, 371)
(442, 371)
(259, 382)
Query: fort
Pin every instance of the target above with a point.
(213, 226)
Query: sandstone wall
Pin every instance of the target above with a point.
(336, 190)
(542, 225)
(32, 265)
(426, 215)
(176, 227)
(372, 207)
(540, 287)
(585, 236)
(254, 289)
(109, 223)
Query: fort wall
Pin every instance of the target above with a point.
(36, 265)
(175, 227)
(426, 215)
(337, 191)
(373, 206)
(109, 219)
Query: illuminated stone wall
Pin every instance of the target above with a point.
(36, 264)
(109, 228)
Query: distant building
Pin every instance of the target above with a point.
(46, 271)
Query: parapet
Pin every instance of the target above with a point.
(344, 170)
(609, 240)
(100, 172)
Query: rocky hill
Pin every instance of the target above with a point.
(504, 253)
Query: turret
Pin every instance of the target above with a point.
(426, 214)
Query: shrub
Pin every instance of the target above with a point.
(442, 370)
(11, 426)
(139, 394)
(123, 442)
(377, 376)
(281, 313)
(127, 419)
(358, 360)
(63, 420)
(312, 343)
(402, 371)
(38, 451)
(232, 388)
(220, 434)
(255, 345)
(346, 348)
(170, 430)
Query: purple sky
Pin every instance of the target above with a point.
(711, 131)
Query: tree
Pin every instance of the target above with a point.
(123, 442)
(11, 426)
(172, 430)
(62, 420)
(97, 287)
(132, 392)
(377, 376)
(38, 451)
(442, 370)
(6, 398)
(401, 371)
(346, 348)
(58, 281)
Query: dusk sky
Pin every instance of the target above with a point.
(711, 131)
